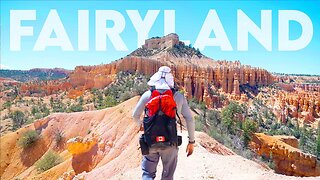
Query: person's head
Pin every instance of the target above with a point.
(163, 79)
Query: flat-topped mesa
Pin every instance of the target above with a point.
(167, 47)
(165, 42)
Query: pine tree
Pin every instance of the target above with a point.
(303, 138)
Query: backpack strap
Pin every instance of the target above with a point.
(174, 90)
(180, 122)
(145, 109)
(160, 109)
(152, 89)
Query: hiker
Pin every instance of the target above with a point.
(164, 146)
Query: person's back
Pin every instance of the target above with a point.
(163, 81)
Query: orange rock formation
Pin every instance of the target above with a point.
(298, 104)
(43, 88)
(78, 145)
(193, 72)
(287, 158)
(85, 153)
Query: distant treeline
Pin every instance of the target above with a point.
(33, 74)
(284, 74)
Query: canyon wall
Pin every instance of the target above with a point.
(194, 73)
(43, 88)
(196, 80)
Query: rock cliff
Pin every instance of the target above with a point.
(286, 157)
(44, 88)
(193, 72)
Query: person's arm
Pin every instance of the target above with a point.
(186, 113)
(138, 110)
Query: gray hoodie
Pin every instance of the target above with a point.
(182, 107)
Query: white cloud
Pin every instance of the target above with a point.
(2, 66)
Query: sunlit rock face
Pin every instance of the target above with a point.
(84, 152)
(193, 72)
(286, 157)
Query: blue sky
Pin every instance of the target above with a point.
(189, 17)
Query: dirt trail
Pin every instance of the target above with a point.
(205, 165)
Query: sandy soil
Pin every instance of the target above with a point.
(204, 165)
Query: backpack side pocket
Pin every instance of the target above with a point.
(143, 145)
(179, 140)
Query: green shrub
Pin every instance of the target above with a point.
(29, 121)
(45, 110)
(28, 138)
(58, 136)
(38, 116)
(49, 160)
(110, 101)
(214, 117)
(80, 100)
(18, 118)
(139, 89)
(247, 153)
(199, 126)
(271, 163)
(7, 105)
(232, 115)
(220, 137)
(34, 110)
(193, 103)
(125, 96)
(308, 140)
(75, 108)
(248, 127)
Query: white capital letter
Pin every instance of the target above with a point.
(83, 30)
(169, 22)
(102, 17)
(16, 30)
(284, 42)
(142, 26)
(53, 24)
(263, 35)
(212, 23)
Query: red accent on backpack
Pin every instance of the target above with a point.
(168, 105)
(160, 139)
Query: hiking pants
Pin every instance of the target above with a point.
(169, 157)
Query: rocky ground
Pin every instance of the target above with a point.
(205, 165)
(114, 152)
